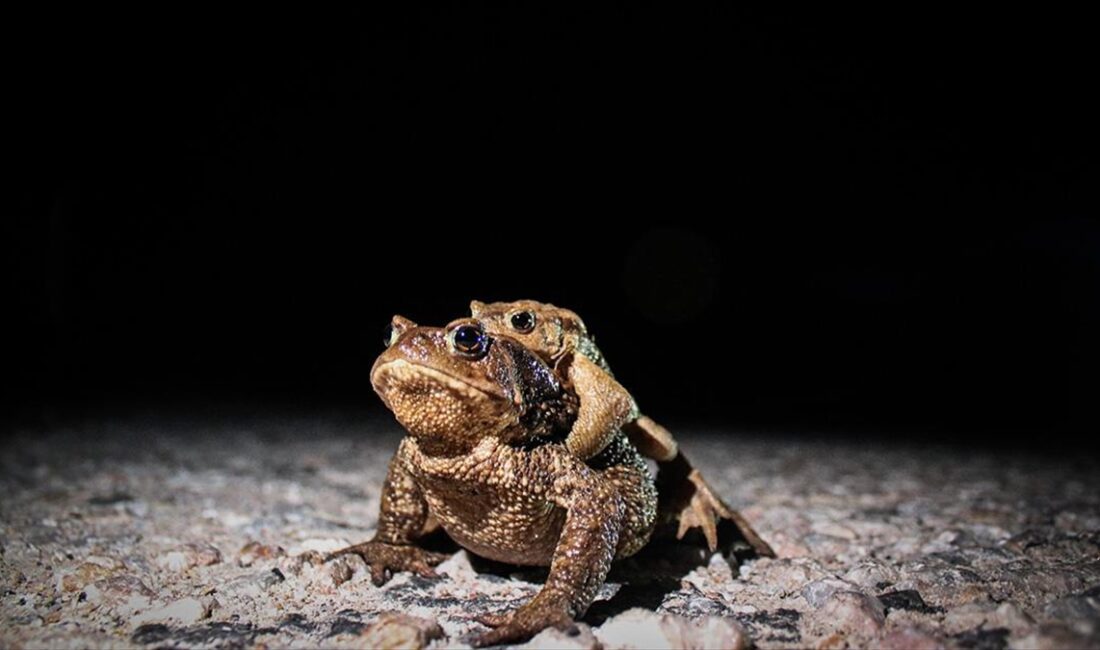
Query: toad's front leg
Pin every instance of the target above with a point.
(402, 520)
(582, 558)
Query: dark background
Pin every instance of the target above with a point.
(813, 222)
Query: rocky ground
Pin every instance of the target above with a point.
(193, 534)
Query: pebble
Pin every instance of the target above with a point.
(123, 594)
(872, 574)
(640, 629)
(833, 529)
(818, 592)
(852, 613)
(189, 556)
(577, 637)
(85, 574)
(253, 552)
(344, 568)
(118, 589)
(911, 638)
(393, 631)
(184, 611)
(296, 564)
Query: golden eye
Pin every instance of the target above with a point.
(523, 321)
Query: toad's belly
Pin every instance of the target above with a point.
(504, 526)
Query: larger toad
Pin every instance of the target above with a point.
(485, 459)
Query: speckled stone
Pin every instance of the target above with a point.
(159, 532)
(396, 631)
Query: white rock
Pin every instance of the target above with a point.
(185, 611)
(638, 629)
(579, 637)
(634, 628)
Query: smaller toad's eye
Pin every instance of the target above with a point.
(389, 335)
(469, 341)
(523, 321)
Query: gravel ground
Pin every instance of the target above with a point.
(194, 534)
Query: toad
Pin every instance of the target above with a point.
(486, 460)
(560, 338)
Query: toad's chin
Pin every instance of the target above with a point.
(432, 404)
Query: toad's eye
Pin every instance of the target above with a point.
(523, 321)
(469, 341)
(389, 335)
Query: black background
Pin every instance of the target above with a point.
(872, 223)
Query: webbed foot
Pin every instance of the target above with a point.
(541, 612)
(703, 509)
(385, 559)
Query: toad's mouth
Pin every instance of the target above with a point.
(402, 374)
(432, 403)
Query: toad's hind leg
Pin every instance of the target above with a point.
(688, 501)
(652, 440)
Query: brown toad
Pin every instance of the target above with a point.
(485, 460)
(560, 337)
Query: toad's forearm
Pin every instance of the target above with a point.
(604, 407)
(404, 512)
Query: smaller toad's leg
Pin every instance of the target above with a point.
(402, 520)
(686, 497)
(604, 406)
(652, 440)
(587, 545)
